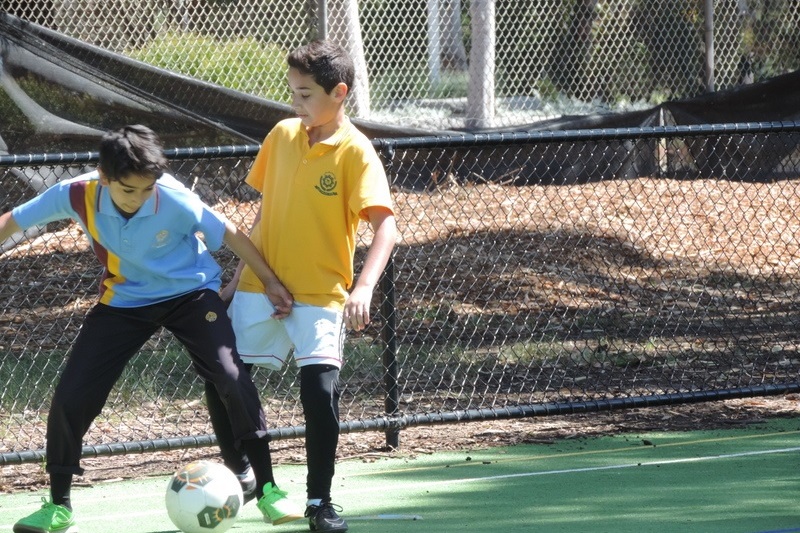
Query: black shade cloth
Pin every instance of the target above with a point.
(59, 94)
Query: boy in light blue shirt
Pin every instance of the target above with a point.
(148, 257)
(142, 225)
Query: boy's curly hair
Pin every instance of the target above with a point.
(131, 150)
(327, 62)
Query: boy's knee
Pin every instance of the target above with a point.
(70, 402)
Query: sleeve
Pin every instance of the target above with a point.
(371, 186)
(213, 226)
(53, 204)
(204, 219)
(255, 178)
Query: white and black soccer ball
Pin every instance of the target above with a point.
(204, 497)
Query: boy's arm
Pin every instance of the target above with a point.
(228, 290)
(356, 309)
(241, 245)
(8, 226)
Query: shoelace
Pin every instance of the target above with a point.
(326, 509)
(47, 505)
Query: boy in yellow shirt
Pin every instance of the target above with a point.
(318, 176)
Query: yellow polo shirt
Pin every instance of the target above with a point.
(312, 201)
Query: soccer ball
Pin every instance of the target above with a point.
(204, 497)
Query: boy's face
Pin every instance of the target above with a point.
(312, 104)
(130, 192)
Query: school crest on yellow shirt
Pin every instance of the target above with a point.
(327, 184)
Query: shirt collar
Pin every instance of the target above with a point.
(340, 134)
(333, 140)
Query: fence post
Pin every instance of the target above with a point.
(392, 400)
(388, 312)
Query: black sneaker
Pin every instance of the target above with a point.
(323, 517)
(247, 480)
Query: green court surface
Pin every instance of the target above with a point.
(728, 481)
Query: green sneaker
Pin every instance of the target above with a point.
(51, 518)
(276, 507)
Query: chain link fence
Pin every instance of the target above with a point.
(535, 274)
(439, 64)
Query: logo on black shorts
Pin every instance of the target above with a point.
(211, 316)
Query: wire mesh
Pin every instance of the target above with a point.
(439, 64)
(531, 270)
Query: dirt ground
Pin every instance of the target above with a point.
(664, 221)
(468, 436)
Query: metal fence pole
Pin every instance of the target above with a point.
(388, 311)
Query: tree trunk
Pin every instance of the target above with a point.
(453, 52)
(567, 69)
(434, 45)
(345, 29)
(481, 95)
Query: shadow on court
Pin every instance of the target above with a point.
(732, 481)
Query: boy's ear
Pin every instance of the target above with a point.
(340, 91)
(103, 179)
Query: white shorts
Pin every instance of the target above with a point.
(314, 333)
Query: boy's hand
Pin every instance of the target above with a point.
(356, 309)
(227, 292)
(280, 298)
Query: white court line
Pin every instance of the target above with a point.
(591, 469)
(158, 511)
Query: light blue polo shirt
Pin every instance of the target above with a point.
(155, 255)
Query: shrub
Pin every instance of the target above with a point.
(243, 64)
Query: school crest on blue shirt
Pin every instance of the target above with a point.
(162, 237)
(327, 184)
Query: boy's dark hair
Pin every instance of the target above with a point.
(326, 61)
(132, 150)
